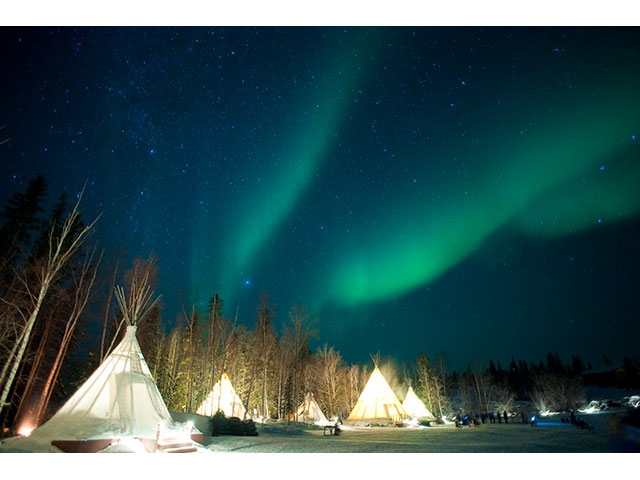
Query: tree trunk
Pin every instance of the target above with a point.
(16, 357)
(59, 254)
(82, 293)
(26, 410)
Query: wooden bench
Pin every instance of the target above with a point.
(332, 429)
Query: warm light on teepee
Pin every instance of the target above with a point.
(415, 407)
(310, 412)
(377, 403)
(119, 402)
(223, 398)
(119, 399)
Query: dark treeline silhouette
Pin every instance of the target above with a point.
(271, 364)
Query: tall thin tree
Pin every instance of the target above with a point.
(60, 250)
(83, 284)
(297, 335)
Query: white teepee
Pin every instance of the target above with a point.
(223, 398)
(377, 403)
(415, 407)
(310, 412)
(120, 399)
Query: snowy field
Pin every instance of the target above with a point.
(557, 437)
(495, 451)
(499, 449)
(549, 435)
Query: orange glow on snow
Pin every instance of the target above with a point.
(25, 429)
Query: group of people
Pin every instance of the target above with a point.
(493, 417)
(496, 417)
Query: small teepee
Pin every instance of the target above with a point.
(310, 412)
(377, 403)
(223, 398)
(416, 408)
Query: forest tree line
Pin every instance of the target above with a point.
(59, 320)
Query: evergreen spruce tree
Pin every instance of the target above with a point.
(21, 220)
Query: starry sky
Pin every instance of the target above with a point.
(468, 191)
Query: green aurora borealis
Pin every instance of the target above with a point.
(561, 187)
(295, 164)
(473, 191)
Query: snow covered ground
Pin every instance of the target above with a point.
(550, 435)
(499, 450)
(502, 450)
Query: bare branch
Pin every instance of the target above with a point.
(61, 250)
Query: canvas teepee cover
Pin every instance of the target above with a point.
(415, 407)
(223, 397)
(377, 402)
(119, 399)
(310, 412)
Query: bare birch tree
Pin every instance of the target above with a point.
(298, 332)
(190, 351)
(167, 374)
(264, 348)
(61, 249)
(432, 381)
(332, 379)
(483, 387)
(84, 281)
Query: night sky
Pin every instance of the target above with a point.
(467, 191)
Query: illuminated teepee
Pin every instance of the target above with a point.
(377, 403)
(223, 398)
(415, 407)
(310, 412)
(120, 400)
